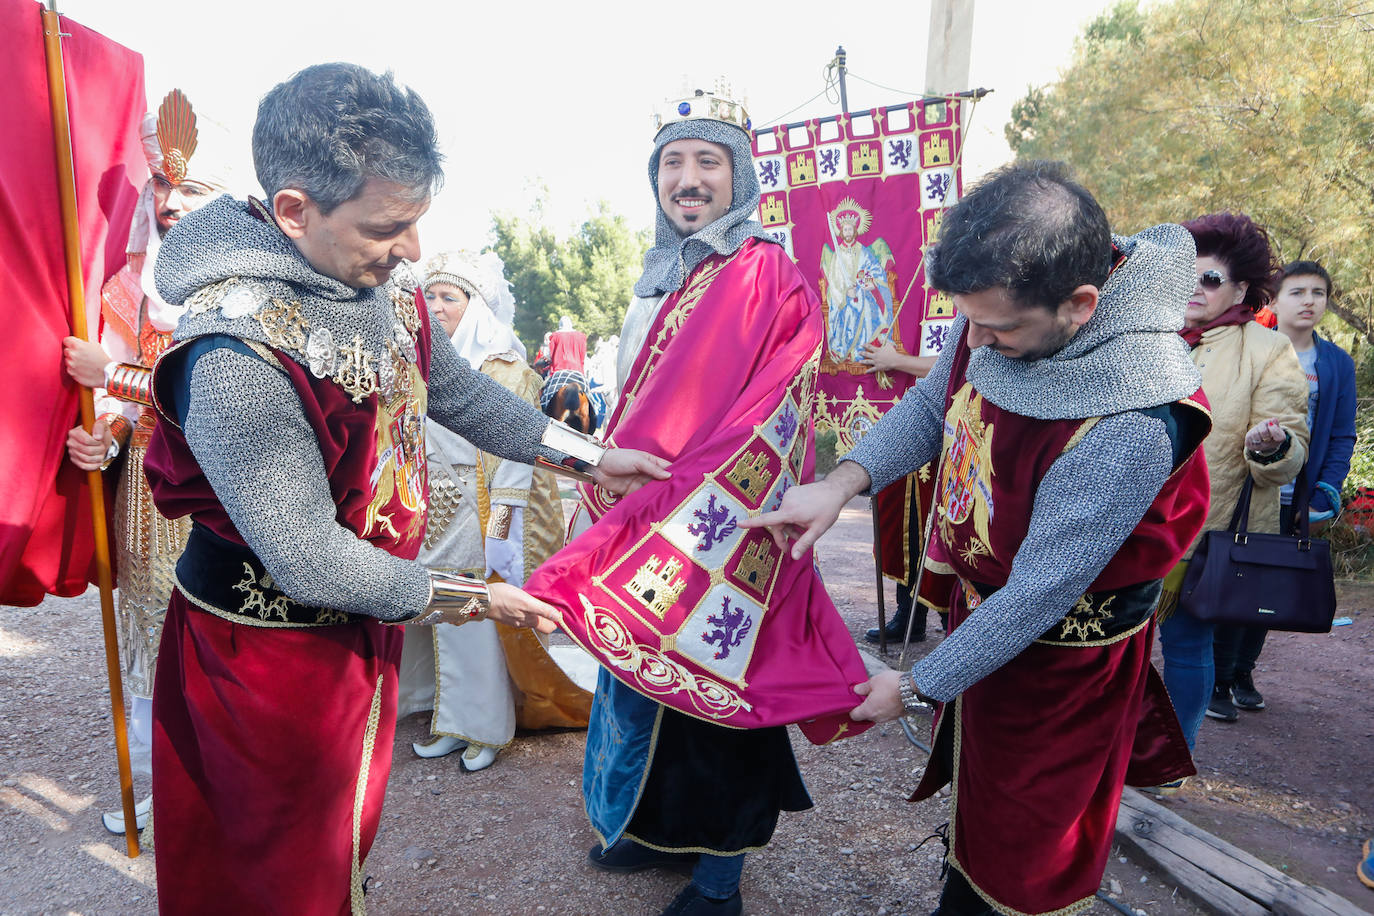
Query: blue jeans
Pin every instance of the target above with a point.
(1189, 670)
(718, 876)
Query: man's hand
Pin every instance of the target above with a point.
(885, 358)
(515, 608)
(808, 511)
(884, 700)
(1264, 438)
(85, 361)
(88, 450)
(624, 470)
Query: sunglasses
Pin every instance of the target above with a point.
(1211, 280)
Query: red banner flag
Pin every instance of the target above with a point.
(46, 541)
(854, 200)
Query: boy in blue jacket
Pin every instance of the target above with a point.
(1300, 303)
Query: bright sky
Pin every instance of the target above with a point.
(562, 94)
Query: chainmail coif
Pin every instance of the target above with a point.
(674, 255)
(1128, 356)
(248, 431)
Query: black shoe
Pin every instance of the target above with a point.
(627, 856)
(1245, 694)
(1221, 707)
(896, 628)
(692, 902)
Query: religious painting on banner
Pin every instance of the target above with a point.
(854, 199)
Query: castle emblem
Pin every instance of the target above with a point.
(756, 564)
(935, 151)
(750, 474)
(865, 159)
(656, 585)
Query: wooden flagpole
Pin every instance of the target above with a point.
(71, 238)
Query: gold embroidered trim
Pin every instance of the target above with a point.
(643, 776)
(1075, 907)
(266, 353)
(652, 672)
(692, 292)
(358, 371)
(374, 716)
(284, 325)
(255, 621)
(1079, 433)
(1124, 634)
(703, 850)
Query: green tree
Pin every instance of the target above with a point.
(588, 275)
(1193, 106)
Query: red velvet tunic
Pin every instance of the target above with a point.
(273, 722)
(1039, 750)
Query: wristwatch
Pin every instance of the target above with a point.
(912, 700)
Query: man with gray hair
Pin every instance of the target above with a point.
(293, 410)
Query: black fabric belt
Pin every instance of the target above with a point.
(228, 580)
(1097, 617)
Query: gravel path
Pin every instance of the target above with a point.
(512, 839)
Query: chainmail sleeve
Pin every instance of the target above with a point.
(1088, 503)
(245, 425)
(909, 435)
(482, 410)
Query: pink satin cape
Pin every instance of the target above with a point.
(663, 589)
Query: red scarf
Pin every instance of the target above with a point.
(1239, 313)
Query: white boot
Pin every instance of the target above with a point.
(478, 758)
(114, 820)
(439, 747)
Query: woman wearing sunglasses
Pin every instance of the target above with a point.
(1258, 396)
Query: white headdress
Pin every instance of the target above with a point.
(485, 328)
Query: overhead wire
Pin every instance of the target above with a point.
(830, 91)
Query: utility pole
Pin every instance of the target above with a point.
(840, 69)
(949, 44)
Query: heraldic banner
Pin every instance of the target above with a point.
(46, 542)
(854, 200)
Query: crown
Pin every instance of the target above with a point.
(715, 106)
(176, 135)
(849, 213)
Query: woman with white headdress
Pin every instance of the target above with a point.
(492, 517)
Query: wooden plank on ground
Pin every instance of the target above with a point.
(1224, 877)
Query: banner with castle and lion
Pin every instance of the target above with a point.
(854, 199)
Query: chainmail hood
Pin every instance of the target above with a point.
(237, 274)
(1128, 356)
(674, 256)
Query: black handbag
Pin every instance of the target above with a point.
(1278, 581)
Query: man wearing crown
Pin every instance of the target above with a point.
(189, 166)
(292, 412)
(1067, 422)
(710, 641)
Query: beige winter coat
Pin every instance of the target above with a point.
(1249, 374)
